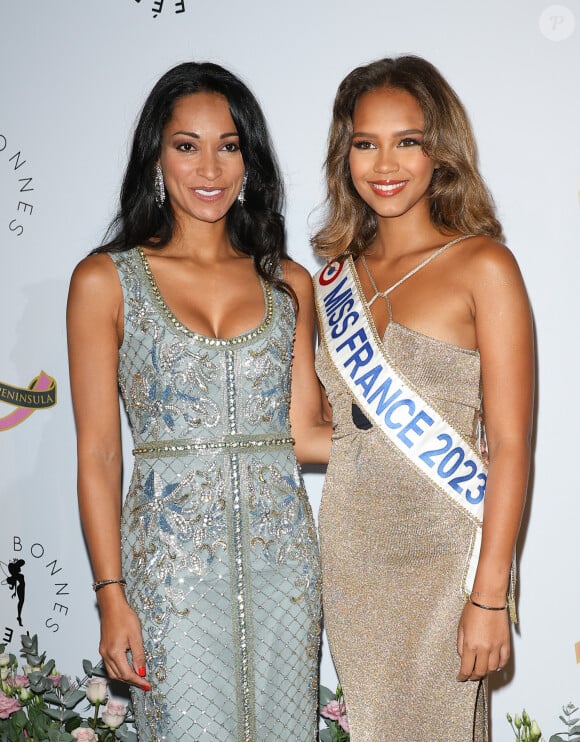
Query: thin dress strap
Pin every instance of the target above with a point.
(385, 294)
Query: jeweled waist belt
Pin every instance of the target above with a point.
(227, 442)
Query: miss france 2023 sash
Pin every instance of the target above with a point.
(391, 403)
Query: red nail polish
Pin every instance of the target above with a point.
(142, 672)
(146, 687)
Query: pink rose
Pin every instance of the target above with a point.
(7, 706)
(333, 710)
(343, 721)
(97, 691)
(113, 715)
(336, 712)
(18, 681)
(84, 734)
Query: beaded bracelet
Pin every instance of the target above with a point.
(102, 583)
(487, 607)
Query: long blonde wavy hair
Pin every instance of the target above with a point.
(459, 198)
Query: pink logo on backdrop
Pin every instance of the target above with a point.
(158, 6)
(38, 395)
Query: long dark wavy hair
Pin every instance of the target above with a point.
(459, 198)
(257, 227)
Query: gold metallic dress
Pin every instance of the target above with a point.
(394, 551)
(219, 545)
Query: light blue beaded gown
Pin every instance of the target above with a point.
(219, 544)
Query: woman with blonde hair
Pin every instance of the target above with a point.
(426, 331)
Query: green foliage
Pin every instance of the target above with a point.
(571, 719)
(41, 705)
(527, 730)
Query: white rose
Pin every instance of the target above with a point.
(97, 690)
(84, 734)
(4, 659)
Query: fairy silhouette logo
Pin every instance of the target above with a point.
(159, 6)
(38, 395)
(15, 581)
(19, 206)
(38, 589)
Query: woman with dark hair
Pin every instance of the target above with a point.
(208, 584)
(425, 323)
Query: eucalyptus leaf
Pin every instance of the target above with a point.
(72, 698)
(99, 670)
(48, 668)
(325, 695)
(39, 684)
(53, 697)
(55, 714)
(19, 719)
(55, 735)
(69, 715)
(126, 735)
(29, 642)
(556, 738)
(325, 736)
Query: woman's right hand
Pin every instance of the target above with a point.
(121, 633)
(95, 333)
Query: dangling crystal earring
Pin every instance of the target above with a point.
(242, 193)
(159, 186)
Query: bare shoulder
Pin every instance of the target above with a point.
(95, 287)
(96, 274)
(490, 260)
(297, 277)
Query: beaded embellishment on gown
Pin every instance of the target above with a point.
(219, 544)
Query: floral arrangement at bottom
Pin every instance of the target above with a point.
(332, 709)
(38, 703)
(527, 729)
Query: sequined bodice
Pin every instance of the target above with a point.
(174, 381)
(219, 544)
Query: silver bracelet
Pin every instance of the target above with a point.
(102, 583)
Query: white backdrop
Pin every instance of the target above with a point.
(73, 75)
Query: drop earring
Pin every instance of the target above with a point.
(242, 193)
(159, 186)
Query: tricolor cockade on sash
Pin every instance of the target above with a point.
(392, 404)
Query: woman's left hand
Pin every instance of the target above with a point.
(483, 642)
